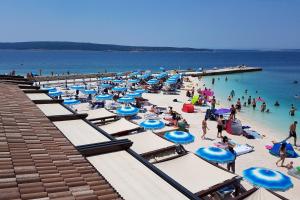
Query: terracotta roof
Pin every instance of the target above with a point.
(37, 161)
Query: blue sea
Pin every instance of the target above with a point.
(275, 82)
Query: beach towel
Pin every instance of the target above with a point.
(253, 134)
(240, 149)
(195, 99)
(290, 152)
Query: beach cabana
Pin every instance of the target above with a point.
(132, 179)
(53, 109)
(148, 144)
(197, 175)
(100, 114)
(79, 132)
(38, 96)
(120, 127)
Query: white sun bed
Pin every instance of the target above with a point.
(262, 194)
(120, 127)
(194, 173)
(53, 109)
(147, 143)
(131, 178)
(38, 96)
(79, 132)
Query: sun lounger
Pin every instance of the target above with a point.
(240, 149)
(79, 132)
(132, 179)
(197, 175)
(148, 144)
(120, 127)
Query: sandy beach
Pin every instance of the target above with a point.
(260, 157)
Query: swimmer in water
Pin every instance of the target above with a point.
(292, 110)
(226, 79)
(276, 104)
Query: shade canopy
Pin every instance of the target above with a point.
(50, 89)
(152, 124)
(127, 111)
(106, 85)
(89, 91)
(153, 81)
(133, 81)
(117, 81)
(134, 94)
(179, 137)
(267, 178)
(106, 79)
(215, 154)
(141, 91)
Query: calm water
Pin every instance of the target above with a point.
(275, 82)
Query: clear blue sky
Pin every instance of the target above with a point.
(182, 23)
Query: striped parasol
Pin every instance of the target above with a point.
(215, 154)
(152, 124)
(179, 137)
(127, 111)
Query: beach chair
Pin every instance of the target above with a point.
(120, 127)
(190, 171)
(150, 145)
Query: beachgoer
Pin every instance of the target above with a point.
(246, 91)
(245, 104)
(282, 154)
(188, 93)
(213, 103)
(213, 81)
(253, 103)
(293, 133)
(233, 111)
(292, 110)
(170, 110)
(229, 98)
(225, 140)
(276, 104)
(226, 79)
(263, 107)
(238, 104)
(220, 126)
(204, 128)
(232, 93)
(231, 165)
(290, 165)
(249, 100)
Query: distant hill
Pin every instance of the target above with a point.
(85, 47)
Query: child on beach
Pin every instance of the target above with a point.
(204, 128)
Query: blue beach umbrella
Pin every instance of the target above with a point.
(50, 89)
(152, 81)
(179, 137)
(141, 91)
(267, 178)
(126, 100)
(106, 79)
(77, 87)
(127, 111)
(103, 97)
(134, 94)
(89, 91)
(215, 154)
(106, 85)
(117, 81)
(71, 101)
(119, 89)
(145, 76)
(152, 124)
(133, 81)
(55, 93)
(170, 82)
